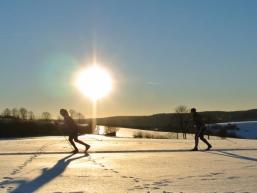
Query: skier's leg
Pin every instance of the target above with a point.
(81, 142)
(196, 140)
(72, 142)
(203, 139)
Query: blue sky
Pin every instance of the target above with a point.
(160, 53)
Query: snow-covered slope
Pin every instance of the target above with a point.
(246, 129)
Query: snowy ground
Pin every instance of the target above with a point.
(117, 165)
(246, 129)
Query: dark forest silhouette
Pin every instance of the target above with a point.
(22, 122)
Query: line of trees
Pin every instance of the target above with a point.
(25, 114)
(21, 122)
(183, 120)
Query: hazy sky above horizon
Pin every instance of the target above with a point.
(160, 54)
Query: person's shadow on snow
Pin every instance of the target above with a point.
(233, 155)
(46, 176)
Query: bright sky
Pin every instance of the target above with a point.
(160, 54)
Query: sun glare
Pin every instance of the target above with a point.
(94, 82)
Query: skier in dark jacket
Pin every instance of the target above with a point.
(73, 130)
(200, 129)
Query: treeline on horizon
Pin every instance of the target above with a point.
(179, 121)
(24, 114)
(22, 122)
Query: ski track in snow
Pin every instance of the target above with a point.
(139, 183)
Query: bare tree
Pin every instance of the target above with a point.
(80, 117)
(6, 112)
(15, 113)
(31, 115)
(23, 113)
(46, 116)
(181, 113)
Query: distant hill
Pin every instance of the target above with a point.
(10, 127)
(169, 122)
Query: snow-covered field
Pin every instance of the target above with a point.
(117, 165)
(246, 129)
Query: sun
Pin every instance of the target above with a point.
(94, 82)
